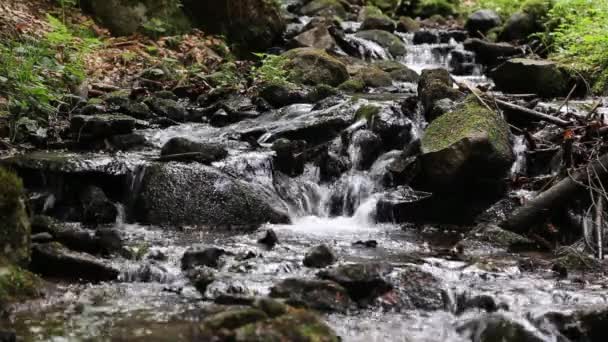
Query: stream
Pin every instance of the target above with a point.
(153, 300)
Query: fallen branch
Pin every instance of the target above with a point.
(537, 209)
(532, 113)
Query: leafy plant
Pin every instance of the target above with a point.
(272, 70)
(37, 72)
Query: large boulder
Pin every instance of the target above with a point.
(15, 225)
(127, 17)
(469, 145)
(252, 25)
(317, 37)
(482, 21)
(523, 75)
(311, 66)
(390, 42)
(196, 194)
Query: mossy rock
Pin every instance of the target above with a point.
(324, 8)
(313, 67)
(430, 8)
(124, 18)
(299, 325)
(367, 112)
(387, 6)
(352, 85)
(398, 71)
(392, 43)
(468, 145)
(374, 77)
(232, 319)
(17, 284)
(14, 221)
(522, 75)
(372, 18)
(407, 24)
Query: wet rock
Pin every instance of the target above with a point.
(96, 207)
(366, 244)
(324, 8)
(480, 302)
(312, 67)
(434, 85)
(488, 53)
(279, 95)
(372, 18)
(201, 278)
(392, 43)
(481, 21)
(101, 241)
(28, 130)
(583, 324)
(54, 260)
(270, 239)
(462, 62)
(253, 25)
(497, 327)
(319, 257)
(353, 85)
(314, 294)
(295, 326)
(449, 35)
(320, 92)
(331, 166)
(182, 149)
(398, 71)
(126, 142)
(42, 238)
(426, 37)
(100, 126)
(138, 110)
(167, 108)
(367, 147)
(318, 37)
(202, 256)
(215, 199)
(496, 237)
(363, 282)
(418, 289)
(374, 77)
(407, 24)
(15, 227)
(478, 152)
(522, 75)
(289, 158)
(402, 204)
(392, 127)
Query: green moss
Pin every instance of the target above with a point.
(470, 117)
(428, 8)
(574, 260)
(232, 319)
(352, 86)
(367, 112)
(15, 226)
(388, 6)
(314, 66)
(17, 284)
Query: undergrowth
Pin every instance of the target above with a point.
(34, 73)
(272, 70)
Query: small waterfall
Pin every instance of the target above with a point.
(519, 149)
(368, 49)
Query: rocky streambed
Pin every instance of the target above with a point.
(234, 217)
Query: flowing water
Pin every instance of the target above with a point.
(153, 299)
